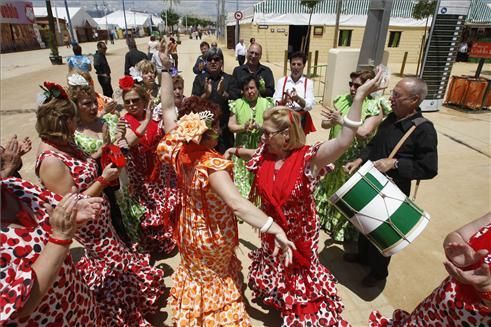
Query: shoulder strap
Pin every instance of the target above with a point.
(416, 122)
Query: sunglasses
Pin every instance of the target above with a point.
(132, 101)
(268, 134)
(355, 85)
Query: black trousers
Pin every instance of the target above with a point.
(105, 82)
(241, 60)
(373, 258)
(116, 217)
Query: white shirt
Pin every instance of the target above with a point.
(153, 46)
(306, 93)
(240, 50)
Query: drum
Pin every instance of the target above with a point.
(379, 210)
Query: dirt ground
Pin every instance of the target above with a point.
(459, 194)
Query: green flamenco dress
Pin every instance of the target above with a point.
(131, 211)
(331, 219)
(250, 140)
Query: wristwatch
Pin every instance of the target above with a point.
(396, 164)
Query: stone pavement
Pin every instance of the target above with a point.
(459, 194)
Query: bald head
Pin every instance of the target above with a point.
(415, 87)
(254, 54)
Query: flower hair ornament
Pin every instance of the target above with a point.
(77, 80)
(51, 90)
(191, 127)
(136, 74)
(126, 83)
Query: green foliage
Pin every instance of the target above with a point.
(172, 17)
(309, 3)
(424, 9)
(195, 21)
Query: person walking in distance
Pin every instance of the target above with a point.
(102, 69)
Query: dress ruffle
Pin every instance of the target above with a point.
(194, 301)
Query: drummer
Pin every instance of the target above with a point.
(416, 159)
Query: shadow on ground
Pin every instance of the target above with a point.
(348, 274)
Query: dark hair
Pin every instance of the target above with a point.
(100, 44)
(152, 38)
(213, 53)
(364, 75)
(131, 43)
(299, 54)
(247, 80)
(172, 40)
(252, 40)
(202, 44)
(195, 104)
(77, 50)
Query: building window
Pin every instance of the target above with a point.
(344, 38)
(394, 38)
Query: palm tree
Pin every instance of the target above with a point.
(423, 9)
(175, 2)
(311, 4)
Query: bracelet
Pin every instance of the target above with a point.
(350, 123)
(485, 295)
(237, 151)
(267, 225)
(103, 181)
(51, 239)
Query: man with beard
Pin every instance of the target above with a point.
(218, 87)
(254, 68)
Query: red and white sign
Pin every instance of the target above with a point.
(238, 15)
(480, 50)
(16, 12)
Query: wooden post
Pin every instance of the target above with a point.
(316, 61)
(403, 64)
(479, 67)
(309, 63)
(285, 63)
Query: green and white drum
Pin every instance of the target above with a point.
(379, 210)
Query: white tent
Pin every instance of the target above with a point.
(78, 16)
(133, 19)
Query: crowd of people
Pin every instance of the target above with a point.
(162, 173)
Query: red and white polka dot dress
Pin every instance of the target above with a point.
(451, 304)
(122, 279)
(69, 302)
(304, 296)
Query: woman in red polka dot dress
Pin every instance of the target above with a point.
(121, 279)
(286, 174)
(464, 297)
(39, 284)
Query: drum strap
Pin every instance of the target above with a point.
(416, 122)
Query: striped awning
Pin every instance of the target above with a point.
(480, 12)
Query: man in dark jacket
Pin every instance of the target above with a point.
(102, 69)
(218, 87)
(416, 159)
(200, 65)
(254, 68)
(133, 56)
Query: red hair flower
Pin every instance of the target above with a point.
(54, 90)
(126, 83)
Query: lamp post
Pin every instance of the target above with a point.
(54, 56)
(125, 23)
(72, 34)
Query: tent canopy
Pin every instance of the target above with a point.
(133, 19)
(78, 16)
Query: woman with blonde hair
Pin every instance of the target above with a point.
(286, 174)
(207, 283)
(123, 281)
(148, 73)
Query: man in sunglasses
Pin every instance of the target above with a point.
(218, 87)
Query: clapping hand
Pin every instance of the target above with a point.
(11, 157)
(208, 87)
(332, 117)
(221, 86)
(462, 254)
(373, 85)
(479, 278)
(25, 146)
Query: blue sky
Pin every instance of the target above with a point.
(191, 7)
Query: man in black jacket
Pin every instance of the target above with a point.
(254, 68)
(133, 56)
(416, 159)
(200, 65)
(218, 87)
(102, 69)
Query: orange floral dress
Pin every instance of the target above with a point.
(207, 284)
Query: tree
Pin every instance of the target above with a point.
(170, 17)
(175, 2)
(311, 4)
(423, 9)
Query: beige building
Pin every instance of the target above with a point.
(281, 26)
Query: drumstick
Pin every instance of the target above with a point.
(416, 189)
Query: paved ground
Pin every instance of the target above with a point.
(460, 192)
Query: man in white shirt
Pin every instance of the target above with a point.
(297, 91)
(240, 52)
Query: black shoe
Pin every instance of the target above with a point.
(371, 280)
(352, 257)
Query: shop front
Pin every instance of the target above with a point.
(19, 32)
